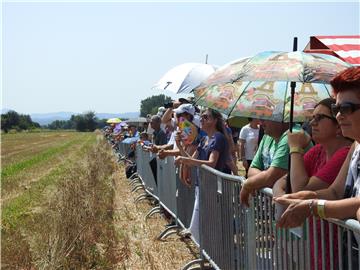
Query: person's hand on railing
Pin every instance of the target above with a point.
(185, 175)
(301, 195)
(154, 148)
(295, 214)
(178, 160)
(162, 154)
(245, 193)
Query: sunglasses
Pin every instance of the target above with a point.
(345, 108)
(318, 117)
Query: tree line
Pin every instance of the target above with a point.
(80, 122)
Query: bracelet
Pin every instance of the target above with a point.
(295, 149)
(321, 208)
(311, 204)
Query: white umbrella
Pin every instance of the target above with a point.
(184, 78)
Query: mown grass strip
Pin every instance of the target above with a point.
(13, 169)
(15, 210)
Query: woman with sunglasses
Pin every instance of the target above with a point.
(343, 195)
(342, 198)
(213, 150)
(318, 168)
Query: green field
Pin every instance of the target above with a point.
(48, 181)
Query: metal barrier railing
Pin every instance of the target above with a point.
(124, 149)
(251, 239)
(167, 185)
(145, 172)
(235, 237)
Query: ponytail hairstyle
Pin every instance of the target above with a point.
(220, 126)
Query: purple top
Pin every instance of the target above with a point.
(216, 143)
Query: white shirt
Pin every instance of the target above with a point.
(352, 185)
(251, 136)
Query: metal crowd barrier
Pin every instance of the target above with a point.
(124, 149)
(166, 179)
(235, 237)
(185, 199)
(144, 171)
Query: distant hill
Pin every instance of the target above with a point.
(47, 118)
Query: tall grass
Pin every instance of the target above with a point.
(73, 230)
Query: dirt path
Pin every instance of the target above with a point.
(138, 245)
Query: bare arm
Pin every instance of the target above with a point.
(265, 178)
(167, 116)
(279, 187)
(191, 161)
(299, 177)
(334, 192)
(336, 189)
(342, 209)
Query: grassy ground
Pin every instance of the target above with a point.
(66, 204)
(57, 202)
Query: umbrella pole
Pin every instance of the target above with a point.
(292, 94)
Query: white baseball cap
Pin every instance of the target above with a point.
(188, 108)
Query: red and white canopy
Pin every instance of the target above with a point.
(345, 47)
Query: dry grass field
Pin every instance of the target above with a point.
(66, 204)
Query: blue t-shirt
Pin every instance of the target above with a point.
(216, 143)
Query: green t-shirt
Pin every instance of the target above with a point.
(273, 154)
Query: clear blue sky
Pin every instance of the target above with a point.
(106, 56)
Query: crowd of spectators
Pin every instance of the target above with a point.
(325, 166)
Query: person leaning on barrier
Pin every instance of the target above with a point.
(342, 198)
(271, 159)
(186, 111)
(212, 151)
(318, 168)
(158, 136)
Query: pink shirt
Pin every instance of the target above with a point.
(316, 165)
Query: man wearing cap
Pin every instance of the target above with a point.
(159, 136)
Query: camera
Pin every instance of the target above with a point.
(168, 105)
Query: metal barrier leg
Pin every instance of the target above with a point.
(138, 187)
(168, 231)
(190, 264)
(135, 181)
(153, 211)
(142, 197)
(134, 175)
